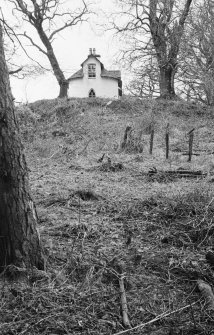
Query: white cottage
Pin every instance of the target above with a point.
(93, 80)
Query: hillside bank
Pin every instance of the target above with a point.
(101, 217)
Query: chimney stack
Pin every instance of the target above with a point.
(92, 51)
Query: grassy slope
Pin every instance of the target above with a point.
(157, 231)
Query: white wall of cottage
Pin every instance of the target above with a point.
(103, 87)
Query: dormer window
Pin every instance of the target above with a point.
(91, 70)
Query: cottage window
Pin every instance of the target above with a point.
(92, 94)
(91, 70)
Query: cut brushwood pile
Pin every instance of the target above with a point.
(174, 174)
(110, 166)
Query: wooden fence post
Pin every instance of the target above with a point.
(167, 141)
(191, 137)
(151, 139)
(125, 137)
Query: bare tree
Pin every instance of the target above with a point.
(19, 240)
(196, 71)
(155, 27)
(145, 79)
(48, 18)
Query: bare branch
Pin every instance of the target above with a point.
(33, 43)
(12, 33)
(74, 21)
(11, 72)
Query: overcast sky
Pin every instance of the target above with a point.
(72, 48)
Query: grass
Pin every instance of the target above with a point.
(99, 220)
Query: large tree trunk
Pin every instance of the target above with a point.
(63, 92)
(166, 42)
(167, 90)
(19, 240)
(63, 83)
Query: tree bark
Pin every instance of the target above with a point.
(19, 239)
(167, 74)
(63, 92)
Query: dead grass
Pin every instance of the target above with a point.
(97, 223)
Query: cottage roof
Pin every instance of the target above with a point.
(104, 73)
(78, 74)
(96, 57)
(111, 74)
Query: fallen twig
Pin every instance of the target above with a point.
(187, 154)
(38, 322)
(124, 307)
(159, 317)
